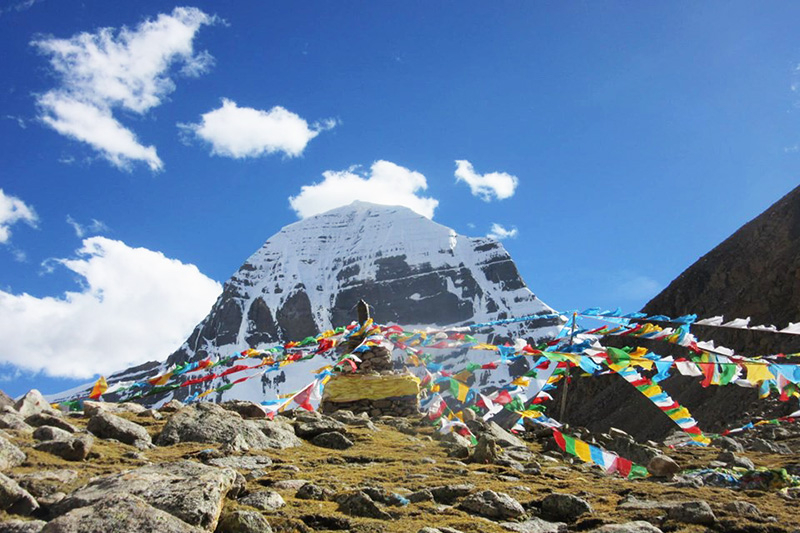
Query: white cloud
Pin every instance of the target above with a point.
(385, 184)
(13, 210)
(135, 305)
(240, 132)
(82, 230)
(494, 184)
(129, 69)
(499, 233)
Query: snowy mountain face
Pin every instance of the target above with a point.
(308, 277)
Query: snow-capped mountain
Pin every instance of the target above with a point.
(308, 277)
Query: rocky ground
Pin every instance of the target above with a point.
(228, 469)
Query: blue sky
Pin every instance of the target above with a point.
(149, 148)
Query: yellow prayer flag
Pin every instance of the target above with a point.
(463, 390)
(521, 381)
(757, 373)
(582, 451)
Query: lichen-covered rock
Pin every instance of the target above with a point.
(358, 503)
(33, 403)
(49, 419)
(22, 526)
(110, 426)
(91, 408)
(696, 512)
(243, 462)
(501, 436)
(10, 455)
(485, 451)
(663, 466)
(535, 525)
(265, 500)
(191, 491)
(743, 508)
(447, 494)
(10, 419)
(119, 512)
(280, 434)
(50, 433)
(333, 440)
(566, 507)
(491, 504)
(14, 499)
(172, 406)
(245, 409)
(208, 422)
(639, 526)
(71, 448)
(310, 491)
(312, 428)
(243, 522)
(44, 483)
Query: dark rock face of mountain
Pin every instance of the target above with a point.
(754, 273)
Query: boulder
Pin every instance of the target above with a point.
(44, 483)
(191, 491)
(48, 419)
(485, 451)
(10, 419)
(10, 455)
(423, 495)
(289, 484)
(33, 403)
(333, 440)
(243, 462)
(245, 409)
(566, 507)
(110, 426)
(501, 436)
(743, 508)
(312, 428)
(6, 400)
(731, 459)
(172, 406)
(727, 443)
(70, 448)
(265, 500)
(447, 494)
(696, 512)
(210, 423)
(663, 466)
(243, 522)
(310, 491)
(358, 503)
(119, 512)
(50, 433)
(151, 413)
(491, 504)
(91, 408)
(14, 499)
(22, 526)
(535, 525)
(639, 526)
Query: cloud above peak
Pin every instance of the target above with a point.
(386, 183)
(498, 232)
(241, 132)
(13, 210)
(128, 69)
(497, 185)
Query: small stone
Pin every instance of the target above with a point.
(742, 508)
(312, 428)
(696, 512)
(496, 505)
(566, 507)
(310, 491)
(151, 413)
(447, 494)
(333, 440)
(663, 466)
(727, 443)
(359, 503)
(731, 459)
(423, 495)
(289, 484)
(486, 450)
(266, 500)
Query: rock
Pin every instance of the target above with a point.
(491, 504)
(22, 526)
(761, 445)
(11, 420)
(731, 459)
(192, 491)
(663, 466)
(91, 408)
(151, 413)
(33, 403)
(535, 525)
(640, 526)
(50, 433)
(45, 483)
(71, 448)
(696, 512)
(118, 512)
(110, 426)
(359, 503)
(310, 491)
(742, 508)
(500, 435)
(243, 522)
(566, 507)
(438, 530)
(381, 495)
(280, 435)
(347, 417)
(485, 451)
(244, 462)
(327, 523)
(312, 428)
(423, 495)
(625, 446)
(10, 455)
(333, 440)
(289, 484)
(266, 500)
(727, 443)
(172, 406)
(48, 419)
(245, 409)
(6, 400)
(447, 494)
(14, 499)
(210, 423)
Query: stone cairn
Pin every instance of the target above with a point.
(374, 387)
